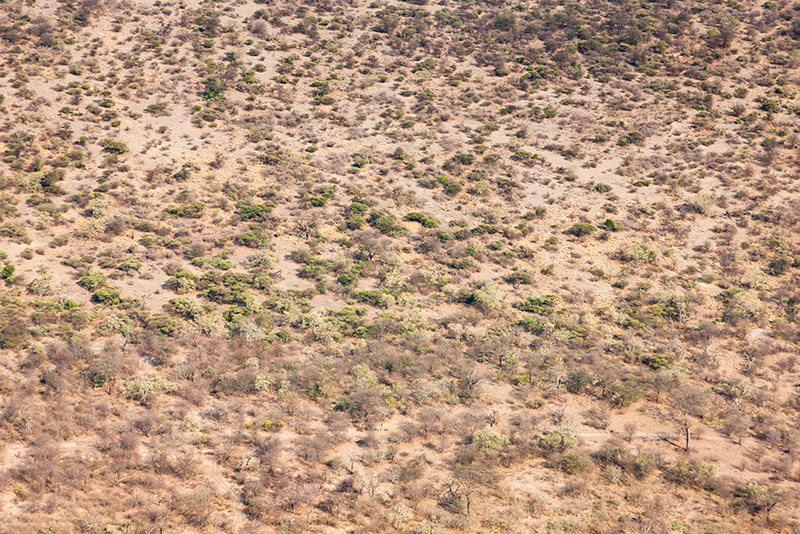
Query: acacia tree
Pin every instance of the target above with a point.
(758, 498)
(468, 480)
(662, 381)
(687, 404)
(502, 344)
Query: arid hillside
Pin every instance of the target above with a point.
(404, 266)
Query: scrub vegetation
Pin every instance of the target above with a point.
(403, 266)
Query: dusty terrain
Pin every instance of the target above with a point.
(431, 267)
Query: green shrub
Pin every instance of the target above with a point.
(160, 109)
(221, 263)
(386, 223)
(252, 238)
(453, 188)
(248, 211)
(315, 268)
(464, 159)
(7, 272)
(163, 324)
(358, 208)
(559, 439)
(131, 264)
(602, 188)
(488, 438)
(542, 305)
(534, 325)
(182, 281)
(234, 314)
(418, 216)
(627, 391)
(520, 278)
(186, 307)
(380, 298)
(13, 328)
(780, 265)
(107, 295)
(657, 361)
(193, 210)
(213, 88)
(581, 229)
(114, 147)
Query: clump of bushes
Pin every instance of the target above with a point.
(640, 252)
(542, 305)
(192, 210)
(418, 216)
(581, 229)
(107, 295)
(386, 223)
(254, 212)
(114, 147)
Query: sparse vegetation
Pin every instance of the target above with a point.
(431, 267)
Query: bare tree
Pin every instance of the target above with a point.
(687, 403)
(368, 484)
(468, 381)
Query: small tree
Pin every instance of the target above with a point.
(559, 439)
(488, 438)
(488, 297)
(688, 403)
(758, 498)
